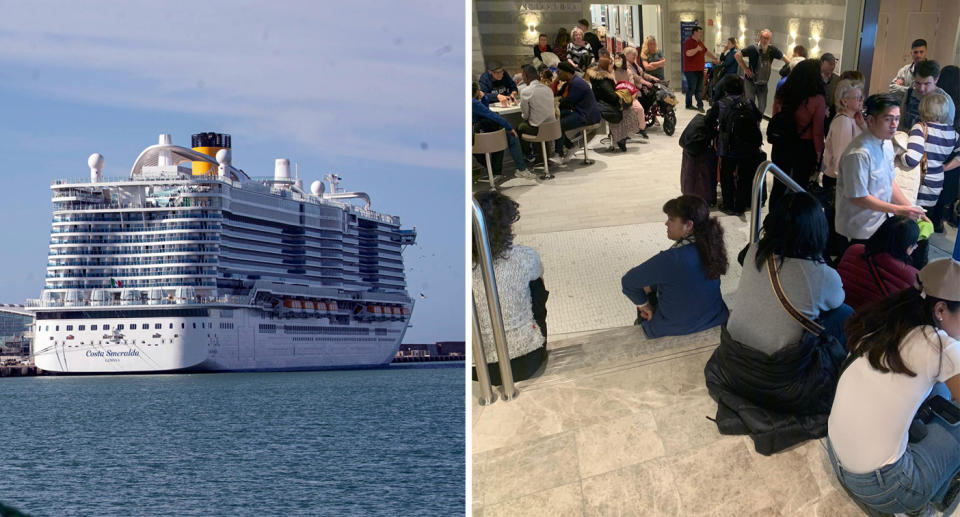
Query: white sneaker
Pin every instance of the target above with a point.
(526, 174)
(561, 160)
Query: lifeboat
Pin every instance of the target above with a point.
(332, 306)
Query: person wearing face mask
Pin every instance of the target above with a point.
(866, 190)
(892, 437)
(904, 78)
(677, 291)
(925, 77)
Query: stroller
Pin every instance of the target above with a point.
(660, 100)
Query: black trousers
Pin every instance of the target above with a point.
(736, 181)
(948, 196)
(526, 129)
(799, 161)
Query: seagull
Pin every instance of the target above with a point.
(423, 296)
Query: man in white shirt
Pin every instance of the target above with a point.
(536, 107)
(904, 78)
(866, 190)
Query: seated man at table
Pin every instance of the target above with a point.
(497, 85)
(536, 107)
(578, 107)
(486, 121)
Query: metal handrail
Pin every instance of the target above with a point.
(756, 204)
(493, 305)
(487, 396)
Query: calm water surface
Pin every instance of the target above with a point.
(370, 442)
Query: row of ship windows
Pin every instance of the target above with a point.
(334, 339)
(268, 328)
(133, 326)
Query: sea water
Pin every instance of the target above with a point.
(364, 442)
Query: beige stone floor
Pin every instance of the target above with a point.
(617, 424)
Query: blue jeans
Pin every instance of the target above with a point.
(694, 85)
(920, 476)
(515, 152)
(833, 321)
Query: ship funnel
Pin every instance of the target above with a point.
(96, 167)
(208, 144)
(165, 158)
(281, 170)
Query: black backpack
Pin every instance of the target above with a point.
(697, 137)
(782, 129)
(739, 134)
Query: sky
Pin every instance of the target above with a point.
(369, 91)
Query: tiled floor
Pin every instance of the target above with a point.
(617, 424)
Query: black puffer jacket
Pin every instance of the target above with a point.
(779, 400)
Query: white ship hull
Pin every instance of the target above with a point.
(248, 340)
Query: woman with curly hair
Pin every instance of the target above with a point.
(520, 287)
(677, 291)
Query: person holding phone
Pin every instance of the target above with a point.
(904, 351)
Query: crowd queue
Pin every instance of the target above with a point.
(840, 327)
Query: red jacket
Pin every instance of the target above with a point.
(859, 284)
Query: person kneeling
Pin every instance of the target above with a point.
(774, 373)
(906, 357)
(677, 291)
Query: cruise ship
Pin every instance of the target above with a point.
(190, 264)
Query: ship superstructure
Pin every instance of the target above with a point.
(191, 264)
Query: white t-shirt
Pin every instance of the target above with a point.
(872, 411)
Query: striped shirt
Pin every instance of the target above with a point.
(942, 142)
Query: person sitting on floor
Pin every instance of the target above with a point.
(520, 287)
(880, 268)
(677, 291)
(773, 378)
(906, 358)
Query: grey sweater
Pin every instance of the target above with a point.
(758, 320)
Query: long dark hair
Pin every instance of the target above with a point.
(707, 232)
(950, 82)
(499, 214)
(894, 236)
(796, 227)
(560, 44)
(877, 331)
(803, 82)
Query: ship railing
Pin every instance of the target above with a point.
(200, 300)
(165, 273)
(133, 263)
(161, 228)
(127, 252)
(75, 218)
(182, 203)
(171, 238)
(496, 319)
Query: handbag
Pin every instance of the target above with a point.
(827, 354)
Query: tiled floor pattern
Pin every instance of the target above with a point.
(582, 270)
(621, 428)
(617, 424)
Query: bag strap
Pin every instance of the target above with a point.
(808, 324)
(876, 276)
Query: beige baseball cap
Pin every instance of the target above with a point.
(941, 279)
